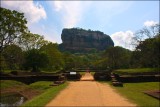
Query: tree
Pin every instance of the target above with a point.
(35, 60)
(147, 43)
(148, 53)
(101, 63)
(144, 33)
(13, 56)
(54, 55)
(30, 41)
(118, 57)
(12, 24)
(69, 60)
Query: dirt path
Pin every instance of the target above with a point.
(89, 93)
(87, 77)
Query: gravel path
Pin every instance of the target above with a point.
(89, 93)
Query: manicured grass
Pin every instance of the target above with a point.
(136, 70)
(47, 92)
(6, 71)
(10, 83)
(45, 97)
(41, 85)
(134, 92)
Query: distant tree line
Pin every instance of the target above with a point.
(146, 53)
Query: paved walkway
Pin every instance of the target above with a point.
(89, 93)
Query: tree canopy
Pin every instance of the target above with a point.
(35, 60)
(54, 55)
(14, 57)
(30, 41)
(118, 57)
(12, 24)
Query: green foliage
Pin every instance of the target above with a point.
(45, 97)
(69, 61)
(147, 53)
(55, 57)
(14, 31)
(30, 41)
(35, 60)
(134, 92)
(3, 63)
(101, 64)
(80, 60)
(118, 57)
(13, 24)
(13, 57)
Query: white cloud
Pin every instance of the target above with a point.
(33, 12)
(123, 39)
(71, 11)
(150, 23)
(58, 5)
(77, 13)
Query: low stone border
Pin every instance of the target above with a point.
(155, 94)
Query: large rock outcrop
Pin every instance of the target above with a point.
(80, 40)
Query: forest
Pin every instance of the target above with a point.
(22, 50)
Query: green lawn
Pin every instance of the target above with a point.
(134, 92)
(136, 70)
(10, 83)
(6, 71)
(41, 85)
(46, 96)
(47, 92)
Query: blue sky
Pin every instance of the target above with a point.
(119, 19)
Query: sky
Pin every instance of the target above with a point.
(118, 19)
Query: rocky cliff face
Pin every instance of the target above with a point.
(80, 40)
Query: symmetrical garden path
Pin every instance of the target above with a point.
(89, 93)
